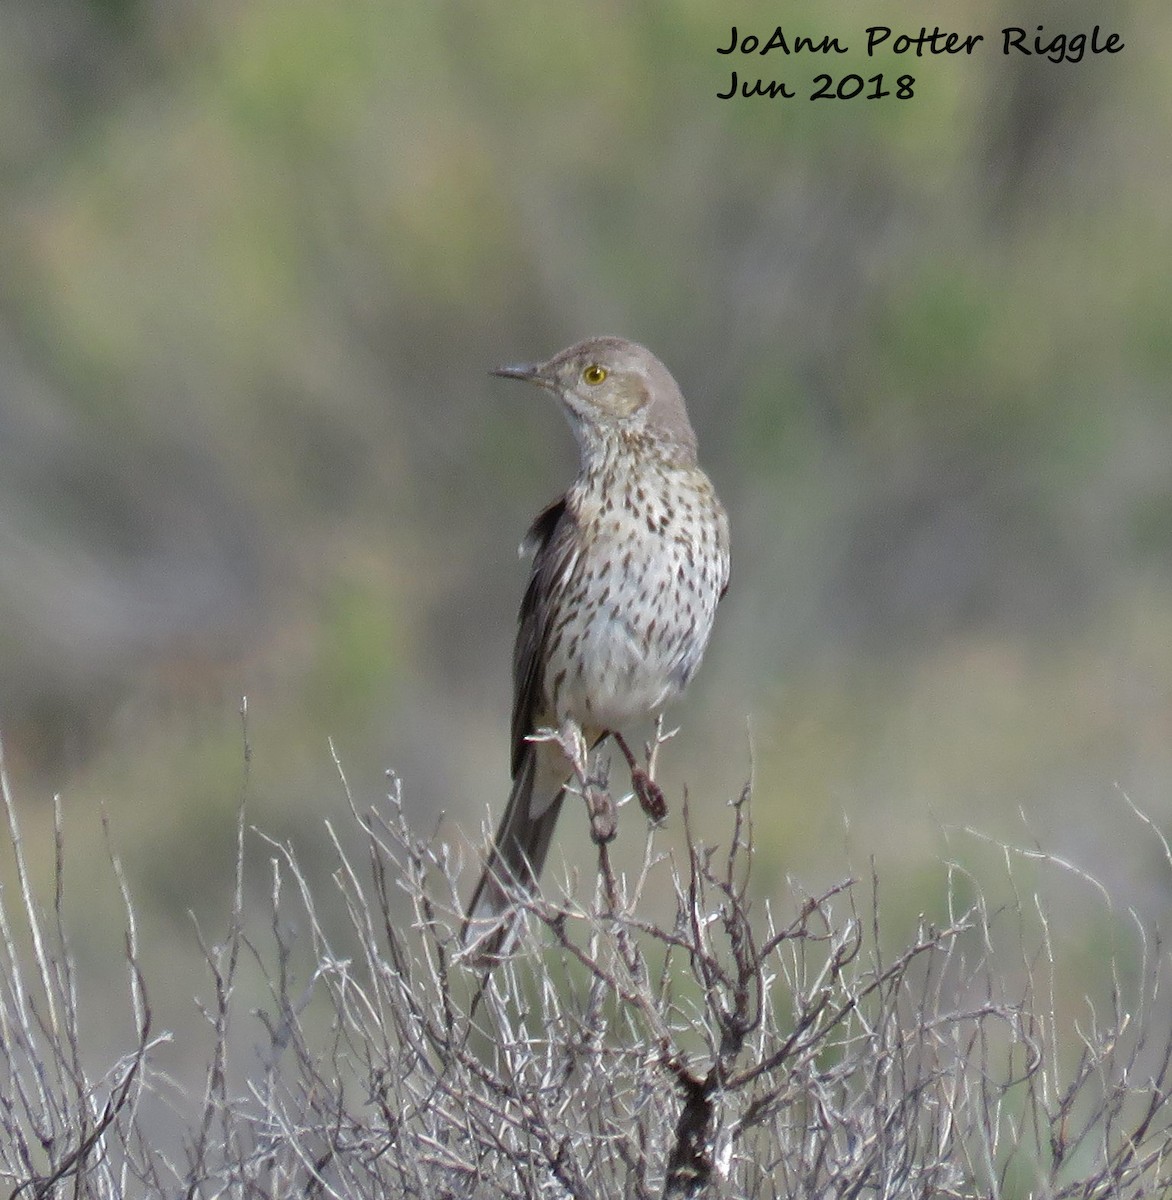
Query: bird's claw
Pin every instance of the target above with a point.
(604, 822)
(651, 798)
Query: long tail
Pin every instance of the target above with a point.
(518, 852)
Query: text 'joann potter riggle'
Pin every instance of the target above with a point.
(1058, 47)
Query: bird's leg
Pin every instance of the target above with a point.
(573, 744)
(599, 805)
(604, 822)
(651, 798)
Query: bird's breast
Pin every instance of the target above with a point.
(636, 604)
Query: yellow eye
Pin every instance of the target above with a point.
(594, 374)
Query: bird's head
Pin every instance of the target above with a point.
(611, 388)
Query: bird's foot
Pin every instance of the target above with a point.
(651, 798)
(650, 795)
(573, 744)
(594, 789)
(604, 822)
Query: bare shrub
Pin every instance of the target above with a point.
(748, 1048)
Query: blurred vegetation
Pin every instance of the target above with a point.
(260, 256)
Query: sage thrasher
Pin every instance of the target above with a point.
(628, 567)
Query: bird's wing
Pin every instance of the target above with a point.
(552, 538)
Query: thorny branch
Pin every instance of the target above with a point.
(673, 1032)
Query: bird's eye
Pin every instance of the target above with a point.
(594, 374)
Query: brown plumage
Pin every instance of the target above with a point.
(628, 567)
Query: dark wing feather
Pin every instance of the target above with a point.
(552, 537)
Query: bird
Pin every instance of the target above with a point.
(628, 566)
